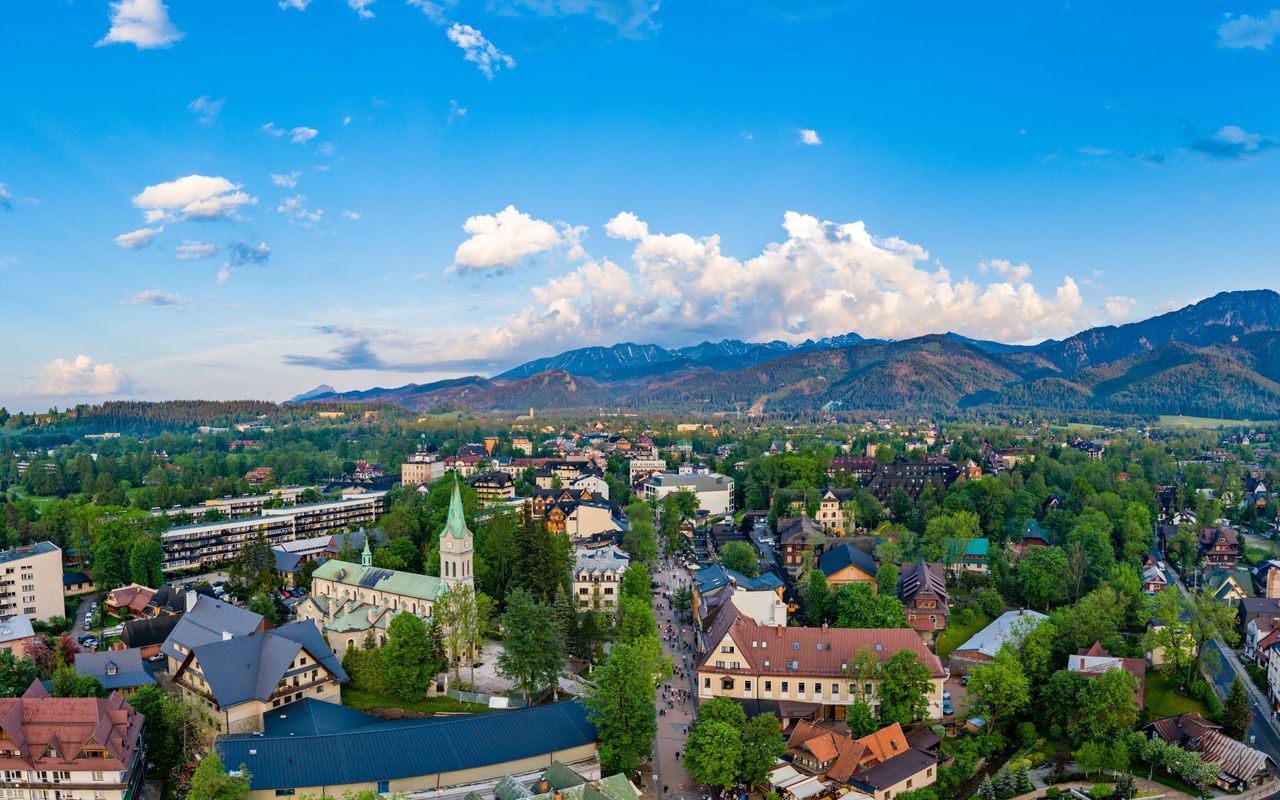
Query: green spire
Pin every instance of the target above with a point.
(366, 558)
(456, 525)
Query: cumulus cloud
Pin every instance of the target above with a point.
(206, 109)
(1119, 308)
(297, 5)
(194, 251)
(80, 377)
(155, 297)
(456, 111)
(354, 216)
(500, 241)
(136, 240)
(1246, 31)
(1232, 143)
(630, 17)
(298, 135)
(287, 181)
(361, 7)
(295, 209)
(362, 346)
(1013, 273)
(198, 197)
(142, 23)
(479, 50)
(810, 137)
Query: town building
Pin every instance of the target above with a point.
(31, 581)
(882, 764)
(1240, 766)
(847, 563)
(70, 748)
(922, 588)
(76, 583)
(805, 667)
(581, 513)
(968, 555)
(1220, 547)
(493, 487)
(206, 620)
(911, 478)
(836, 513)
(1097, 660)
(798, 537)
(1011, 628)
(232, 507)
(117, 670)
(638, 468)
(327, 750)
(239, 678)
(420, 468)
(210, 543)
(858, 467)
(16, 634)
(597, 577)
(714, 491)
(129, 601)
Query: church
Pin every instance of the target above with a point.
(353, 602)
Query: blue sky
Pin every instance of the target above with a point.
(246, 199)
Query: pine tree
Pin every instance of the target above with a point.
(1022, 780)
(987, 790)
(1235, 711)
(1004, 785)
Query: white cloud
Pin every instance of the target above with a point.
(298, 135)
(630, 17)
(1233, 143)
(361, 7)
(298, 5)
(354, 216)
(136, 240)
(810, 137)
(1245, 31)
(479, 50)
(825, 278)
(5, 198)
(155, 297)
(206, 108)
(240, 254)
(287, 181)
(433, 9)
(325, 149)
(456, 111)
(142, 23)
(1119, 307)
(81, 377)
(194, 251)
(192, 197)
(502, 240)
(295, 209)
(1013, 273)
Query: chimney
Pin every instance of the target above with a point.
(226, 635)
(190, 598)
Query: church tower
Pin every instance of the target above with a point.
(455, 546)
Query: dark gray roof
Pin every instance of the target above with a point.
(73, 578)
(127, 665)
(287, 562)
(395, 749)
(250, 667)
(26, 551)
(308, 717)
(148, 631)
(841, 556)
(207, 622)
(894, 770)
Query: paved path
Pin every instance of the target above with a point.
(674, 781)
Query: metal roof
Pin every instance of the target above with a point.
(395, 750)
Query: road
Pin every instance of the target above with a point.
(673, 780)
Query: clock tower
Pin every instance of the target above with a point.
(455, 546)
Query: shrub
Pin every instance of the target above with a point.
(1100, 791)
(1052, 793)
(1026, 733)
(965, 617)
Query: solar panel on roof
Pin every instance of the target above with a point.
(373, 575)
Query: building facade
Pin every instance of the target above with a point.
(31, 581)
(597, 577)
(714, 491)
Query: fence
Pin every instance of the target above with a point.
(490, 700)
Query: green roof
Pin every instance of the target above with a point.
(456, 524)
(406, 584)
(974, 549)
(613, 787)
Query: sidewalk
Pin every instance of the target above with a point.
(677, 642)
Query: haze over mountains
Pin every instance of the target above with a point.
(1219, 357)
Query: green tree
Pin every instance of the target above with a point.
(1169, 633)
(818, 605)
(621, 706)
(532, 653)
(887, 578)
(1041, 576)
(904, 689)
(265, 605)
(1236, 710)
(999, 689)
(409, 659)
(860, 719)
(635, 582)
(16, 674)
(641, 539)
(740, 557)
(762, 746)
(859, 606)
(635, 620)
(211, 781)
(66, 682)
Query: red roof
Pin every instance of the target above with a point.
(50, 733)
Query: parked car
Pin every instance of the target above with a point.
(157, 658)
(946, 695)
(964, 681)
(946, 707)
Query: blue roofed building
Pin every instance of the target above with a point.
(117, 670)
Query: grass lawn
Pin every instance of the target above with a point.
(957, 634)
(1253, 555)
(1163, 699)
(1201, 423)
(367, 701)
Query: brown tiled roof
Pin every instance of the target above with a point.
(36, 722)
(919, 575)
(803, 528)
(824, 652)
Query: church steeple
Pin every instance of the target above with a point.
(455, 545)
(366, 558)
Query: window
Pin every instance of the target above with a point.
(706, 683)
(785, 687)
(835, 690)
(768, 686)
(726, 648)
(97, 776)
(746, 685)
(720, 665)
(800, 687)
(383, 787)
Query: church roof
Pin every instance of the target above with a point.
(456, 524)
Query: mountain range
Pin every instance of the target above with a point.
(1219, 358)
